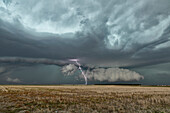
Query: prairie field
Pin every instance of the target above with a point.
(84, 99)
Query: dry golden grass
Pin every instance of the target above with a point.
(84, 99)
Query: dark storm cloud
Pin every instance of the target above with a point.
(121, 32)
(102, 34)
(17, 60)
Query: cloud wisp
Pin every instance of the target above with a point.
(15, 80)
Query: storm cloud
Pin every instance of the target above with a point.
(112, 34)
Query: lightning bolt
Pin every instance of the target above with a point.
(76, 60)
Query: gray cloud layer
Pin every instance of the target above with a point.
(105, 34)
(120, 31)
(95, 73)
(18, 60)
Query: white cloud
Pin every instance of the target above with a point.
(15, 80)
(113, 74)
(69, 69)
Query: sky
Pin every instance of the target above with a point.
(115, 41)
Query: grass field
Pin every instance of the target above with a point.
(84, 99)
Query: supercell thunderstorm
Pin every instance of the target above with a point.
(116, 39)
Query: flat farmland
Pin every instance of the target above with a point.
(84, 99)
